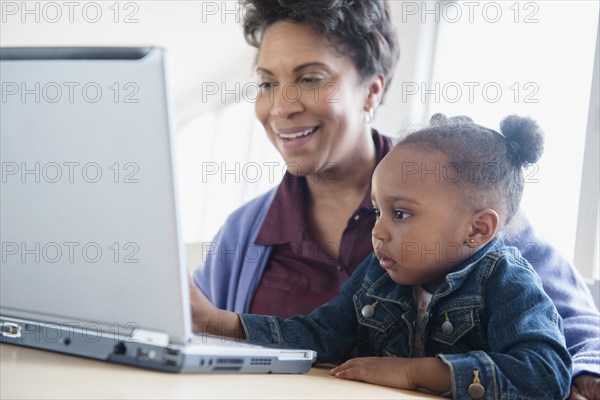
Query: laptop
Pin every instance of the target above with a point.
(92, 257)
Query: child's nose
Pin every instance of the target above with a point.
(379, 232)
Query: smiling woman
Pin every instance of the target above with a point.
(309, 102)
(315, 104)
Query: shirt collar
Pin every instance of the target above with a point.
(286, 219)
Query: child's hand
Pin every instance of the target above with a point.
(385, 371)
(403, 373)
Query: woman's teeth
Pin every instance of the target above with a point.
(297, 135)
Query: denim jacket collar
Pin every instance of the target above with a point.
(385, 289)
(455, 279)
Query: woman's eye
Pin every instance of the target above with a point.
(310, 81)
(401, 214)
(266, 85)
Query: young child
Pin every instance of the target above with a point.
(441, 304)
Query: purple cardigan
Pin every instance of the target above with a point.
(234, 264)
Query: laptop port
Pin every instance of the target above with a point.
(169, 363)
(120, 348)
(230, 361)
(171, 352)
(10, 329)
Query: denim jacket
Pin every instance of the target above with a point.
(501, 324)
(234, 267)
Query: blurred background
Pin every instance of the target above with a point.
(484, 59)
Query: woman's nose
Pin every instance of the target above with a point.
(287, 101)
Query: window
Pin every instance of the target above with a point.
(224, 160)
(525, 58)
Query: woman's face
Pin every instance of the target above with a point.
(312, 102)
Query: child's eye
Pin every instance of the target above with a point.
(376, 212)
(398, 214)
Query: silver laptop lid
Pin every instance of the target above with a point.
(88, 207)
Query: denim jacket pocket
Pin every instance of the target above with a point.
(375, 314)
(455, 320)
(381, 320)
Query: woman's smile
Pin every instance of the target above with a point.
(295, 137)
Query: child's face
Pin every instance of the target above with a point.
(423, 218)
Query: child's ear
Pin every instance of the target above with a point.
(483, 227)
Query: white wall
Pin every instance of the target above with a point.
(204, 40)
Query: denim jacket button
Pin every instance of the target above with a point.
(447, 328)
(367, 311)
(476, 391)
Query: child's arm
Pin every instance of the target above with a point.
(572, 298)
(527, 355)
(404, 373)
(331, 330)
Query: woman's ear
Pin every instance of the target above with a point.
(483, 227)
(375, 87)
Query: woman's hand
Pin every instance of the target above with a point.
(585, 387)
(403, 373)
(206, 318)
(201, 306)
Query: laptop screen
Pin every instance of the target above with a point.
(88, 209)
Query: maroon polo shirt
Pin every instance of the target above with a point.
(300, 275)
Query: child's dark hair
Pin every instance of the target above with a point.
(359, 29)
(488, 165)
